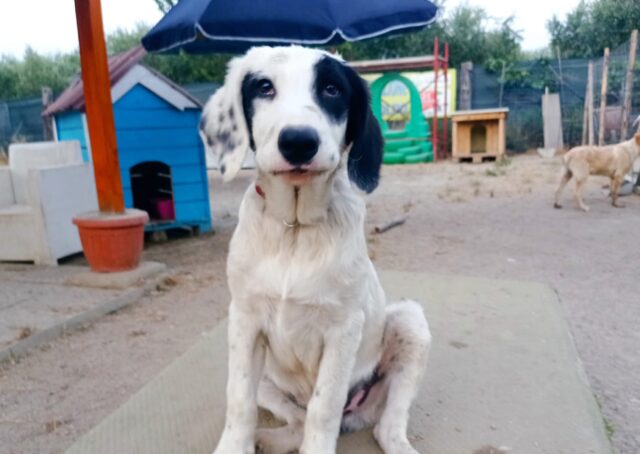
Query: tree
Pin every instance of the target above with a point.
(165, 5)
(594, 25)
(25, 77)
(181, 68)
(466, 33)
(466, 29)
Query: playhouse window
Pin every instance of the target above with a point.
(152, 189)
(396, 105)
(478, 139)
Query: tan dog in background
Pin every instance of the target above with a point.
(613, 161)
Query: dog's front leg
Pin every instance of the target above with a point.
(324, 411)
(246, 360)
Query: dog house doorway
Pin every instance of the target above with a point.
(478, 138)
(152, 190)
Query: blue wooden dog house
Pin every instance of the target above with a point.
(161, 155)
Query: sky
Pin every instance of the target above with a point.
(49, 26)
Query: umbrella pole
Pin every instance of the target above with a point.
(97, 94)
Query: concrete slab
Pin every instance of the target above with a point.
(36, 306)
(503, 377)
(119, 280)
(34, 298)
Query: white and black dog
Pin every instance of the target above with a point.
(311, 337)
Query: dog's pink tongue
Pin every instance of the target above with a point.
(355, 401)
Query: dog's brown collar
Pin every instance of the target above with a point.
(262, 194)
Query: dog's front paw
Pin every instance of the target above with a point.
(230, 444)
(392, 441)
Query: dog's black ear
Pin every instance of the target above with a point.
(364, 135)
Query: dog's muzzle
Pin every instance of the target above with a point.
(298, 145)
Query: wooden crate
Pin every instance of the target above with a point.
(479, 135)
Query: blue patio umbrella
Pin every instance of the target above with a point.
(203, 26)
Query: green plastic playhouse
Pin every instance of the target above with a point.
(411, 144)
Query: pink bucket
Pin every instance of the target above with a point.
(165, 209)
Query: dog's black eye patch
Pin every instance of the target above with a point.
(331, 88)
(250, 91)
(254, 87)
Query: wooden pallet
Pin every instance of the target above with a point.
(476, 158)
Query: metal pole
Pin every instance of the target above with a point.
(445, 121)
(436, 54)
(97, 95)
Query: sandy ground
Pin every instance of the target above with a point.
(487, 220)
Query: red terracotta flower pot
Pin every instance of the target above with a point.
(112, 242)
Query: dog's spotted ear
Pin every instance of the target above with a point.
(223, 126)
(364, 135)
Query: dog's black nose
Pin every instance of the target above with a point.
(298, 144)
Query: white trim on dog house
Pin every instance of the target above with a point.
(155, 83)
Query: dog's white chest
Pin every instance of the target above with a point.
(295, 340)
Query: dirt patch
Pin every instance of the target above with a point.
(460, 219)
(491, 450)
(25, 332)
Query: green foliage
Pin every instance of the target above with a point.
(466, 29)
(165, 5)
(181, 68)
(25, 77)
(594, 25)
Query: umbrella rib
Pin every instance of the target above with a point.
(199, 28)
(316, 41)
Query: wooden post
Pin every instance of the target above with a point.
(585, 117)
(603, 96)
(97, 95)
(559, 55)
(628, 88)
(502, 74)
(47, 126)
(590, 109)
(465, 85)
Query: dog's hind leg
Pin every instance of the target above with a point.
(281, 440)
(579, 188)
(407, 341)
(271, 398)
(616, 182)
(566, 177)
